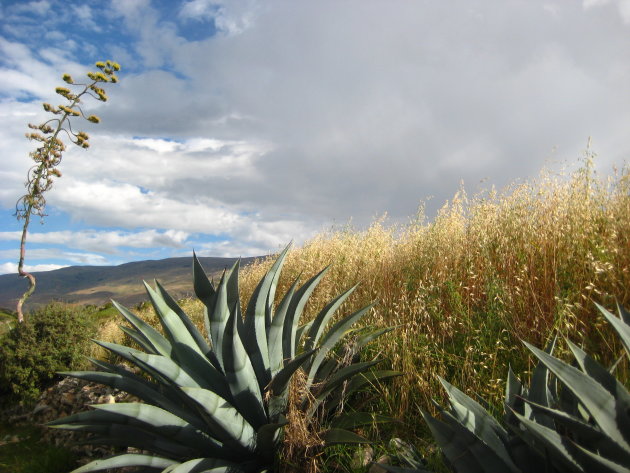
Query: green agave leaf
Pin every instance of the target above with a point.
(331, 338)
(295, 312)
(204, 289)
(587, 434)
(539, 386)
(241, 376)
(352, 420)
(128, 354)
(550, 442)
(175, 330)
(159, 344)
(280, 383)
(597, 400)
(179, 440)
(199, 367)
(600, 374)
(476, 419)
(258, 320)
(163, 423)
(167, 370)
(276, 332)
(342, 375)
(218, 316)
(359, 382)
(372, 335)
(597, 463)
(192, 329)
(320, 322)
(125, 435)
(132, 385)
(301, 332)
(139, 339)
(621, 327)
(204, 465)
(463, 449)
(399, 469)
(267, 437)
(623, 314)
(227, 421)
(342, 436)
(124, 460)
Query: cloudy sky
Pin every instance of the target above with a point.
(240, 125)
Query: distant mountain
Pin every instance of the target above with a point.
(98, 284)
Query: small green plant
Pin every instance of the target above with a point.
(571, 419)
(258, 388)
(47, 156)
(55, 339)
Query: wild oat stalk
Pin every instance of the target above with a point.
(47, 157)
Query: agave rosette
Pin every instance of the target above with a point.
(218, 404)
(571, 419)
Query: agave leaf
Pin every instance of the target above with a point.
(320, 322)
(204, 465)
(168, 370)
(600, 374)
(371, 335)
(276, 332)
(204, 289)
(132, 385)
(587, 434)
(258, 320)
(241, 376)
(141, 432)
(227, 422)
(342, 436)
(622, 328)
(192, 329)
(597, 400)
(333, 382)
(280, 382)
(597, 463)
(174, 328)
(539, 386)
(295, 312)
(400, 469)
(125, 435)
(352, 420)
(267, 437)
(359, 382)
(219, 313)
(126, 459)
(476, 419)
(331, 338)
(159, 344)
(139, 339)
(623, 314)
(463, 449)
(199, 367)
(301, 331)
(550, 442)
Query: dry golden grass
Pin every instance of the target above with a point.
(464, 289)
(488, 271)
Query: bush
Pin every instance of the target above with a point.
(54, 338)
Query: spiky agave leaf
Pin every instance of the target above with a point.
(217, 404)
(583, 427)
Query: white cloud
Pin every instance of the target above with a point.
(8, 268)
(104, 241)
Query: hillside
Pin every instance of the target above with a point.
(98, 284)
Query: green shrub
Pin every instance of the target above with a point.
(55, 338)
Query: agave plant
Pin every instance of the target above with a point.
(219, 403)
(577, 420)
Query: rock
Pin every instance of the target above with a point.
(375, 468)
(362, 457)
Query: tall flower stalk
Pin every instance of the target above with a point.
(47, 156)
